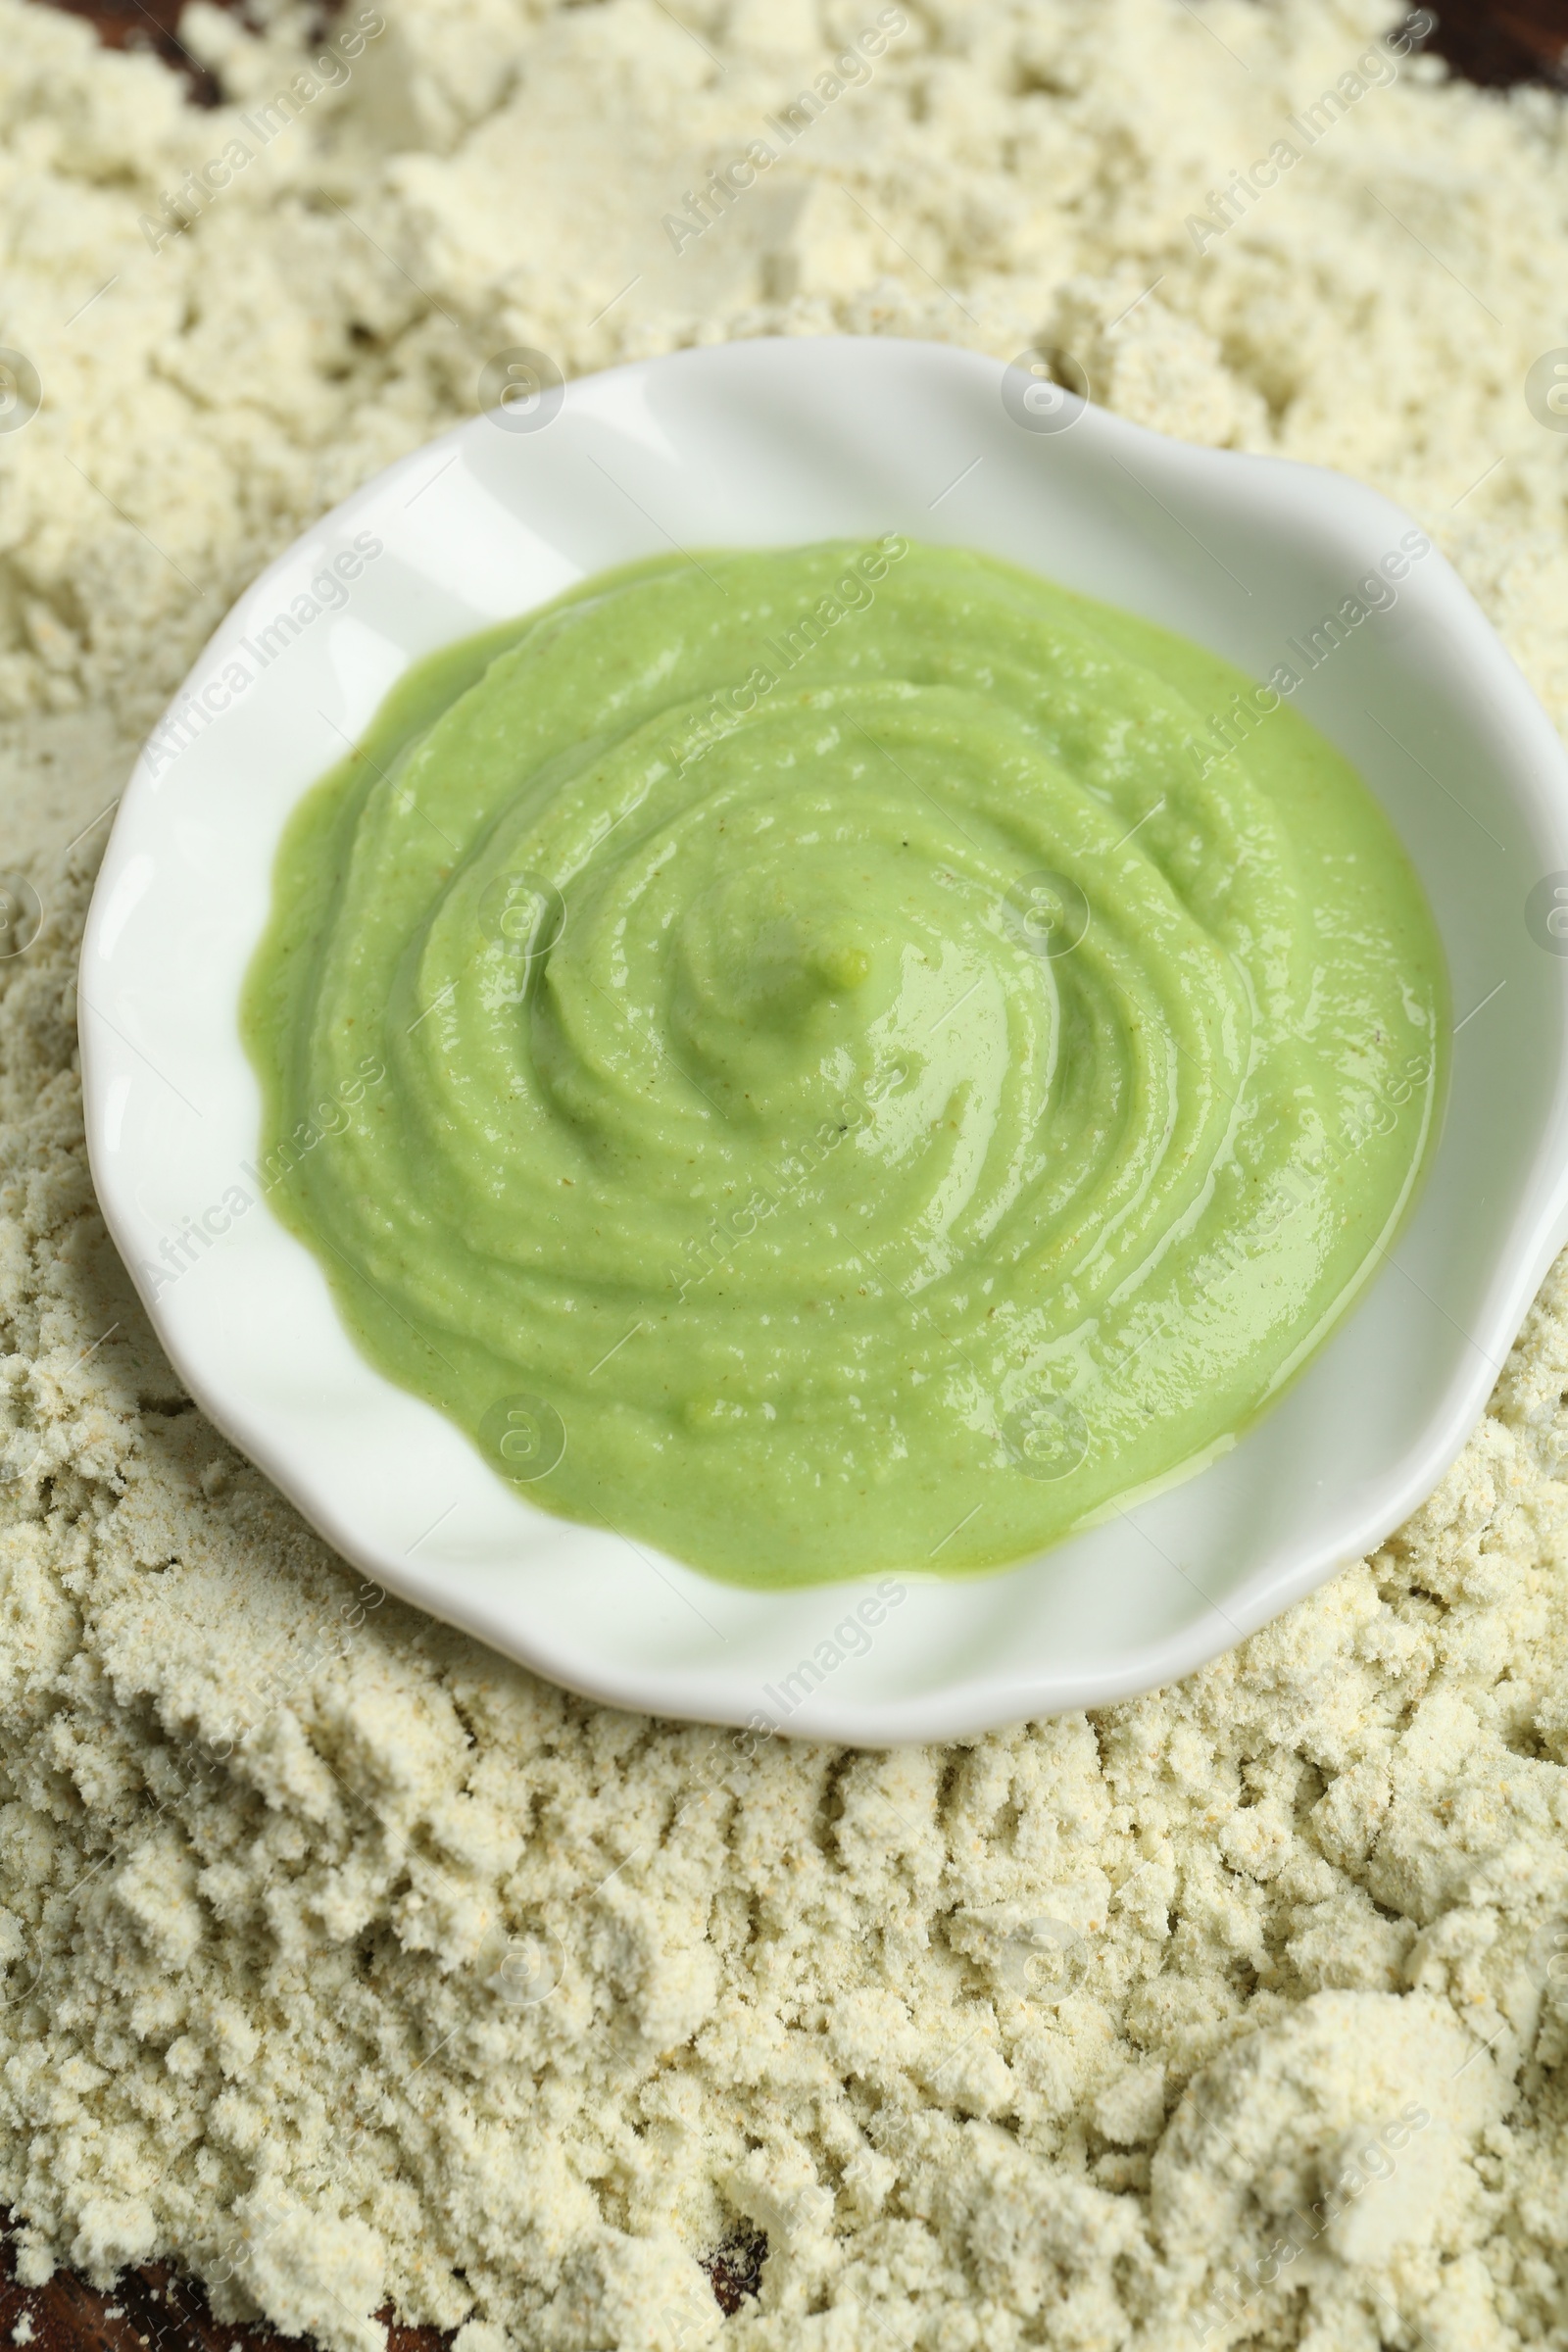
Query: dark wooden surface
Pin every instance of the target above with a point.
(1503, 41)
(152, 2310)
(1491, 41)
(1496, 42)
(148, 2311)
(149, 24)
(154, 24)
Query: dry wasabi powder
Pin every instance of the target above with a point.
(345, 1963)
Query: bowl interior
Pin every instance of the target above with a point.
(758, 444)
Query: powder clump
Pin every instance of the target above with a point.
(344, 1963)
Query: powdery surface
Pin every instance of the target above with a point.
(344, 1961)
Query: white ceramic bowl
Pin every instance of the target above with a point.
(764, 443)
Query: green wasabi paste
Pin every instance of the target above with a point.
(861, 1090)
